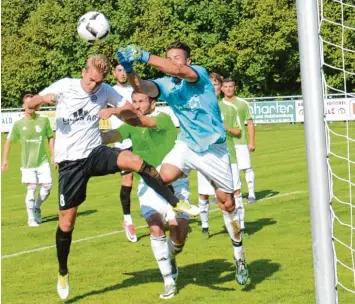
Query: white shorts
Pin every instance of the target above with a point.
(124, 145)
(40, 175)
(152, 203)
(243, 157)
(205, 187)
(214, 163)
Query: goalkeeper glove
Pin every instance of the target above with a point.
(135, 53)
(124, 61)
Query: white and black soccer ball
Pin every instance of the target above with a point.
(93, 27)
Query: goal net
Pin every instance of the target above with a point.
(337, 44)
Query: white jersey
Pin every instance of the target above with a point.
(126, 93)
(77, 119)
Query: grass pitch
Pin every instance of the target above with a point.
(106, 268)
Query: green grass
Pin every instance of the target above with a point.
(109, 269)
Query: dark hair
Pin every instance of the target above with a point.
(151, 99)
(26, 96)
(228, 80)
(182, 46)
(217, 77)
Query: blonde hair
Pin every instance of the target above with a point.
(216, 77)
(98, 62)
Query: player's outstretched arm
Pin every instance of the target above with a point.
(38, 100)
(251, 133)
(5, 165)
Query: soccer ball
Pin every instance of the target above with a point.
(93, 27)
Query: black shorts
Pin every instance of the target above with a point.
(74, 175)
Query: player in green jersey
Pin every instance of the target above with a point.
(152, 144)
(32, 131)
(205, 189)
(242, 146)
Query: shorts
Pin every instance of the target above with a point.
(40, 175)
(152, 203)
(214, 163)
(243, 157)
(204, 186)
(75, 174)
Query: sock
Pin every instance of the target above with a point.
(174, 248)
(231, 220)
(152, 178)
(241, 210)
(161, 253)
(128, 219)
(204, 209)
(238, 251)
(63, 242)
(42, 195)
(250, 178)
(125, 196)
(30, 200)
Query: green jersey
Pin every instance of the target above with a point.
(152, 144)
(243, 115)
(230, 120)
(32, 134)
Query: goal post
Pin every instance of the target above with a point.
(318, 180)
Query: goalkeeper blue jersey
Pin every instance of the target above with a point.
(196, 107)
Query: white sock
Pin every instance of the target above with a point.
(30, 200)
(250, 178)
(161, 253)
(174, 248)
(42, 195)
(128, 219)
(204, 210)
(238, 252)
(241, 210)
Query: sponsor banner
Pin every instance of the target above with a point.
(273, 111)
(8, 119)
(336, 109)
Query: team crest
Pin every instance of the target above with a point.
(38, 129)
(93, 98)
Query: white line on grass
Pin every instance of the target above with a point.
(120, 231)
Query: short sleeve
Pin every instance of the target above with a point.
(14, 134)
(49, 132)
(56, 88)
(202, 75)
(248, 115)
(162, 120)
(163, 87)
(113, 97)
(125, 131)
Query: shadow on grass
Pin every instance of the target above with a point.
(262, 194)
(52, 218)
(207, 274)
(250, 227)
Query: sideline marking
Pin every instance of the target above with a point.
(6, 256)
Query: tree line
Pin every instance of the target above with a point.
(253, 42)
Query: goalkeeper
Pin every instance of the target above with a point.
(201, 145)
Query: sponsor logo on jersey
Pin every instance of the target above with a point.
(80, 116)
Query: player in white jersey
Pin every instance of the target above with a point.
(80, 152)
(32, 131)
(246, 142)
(125, 90)
(201, 144)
